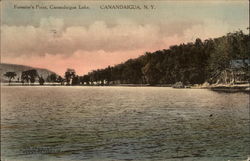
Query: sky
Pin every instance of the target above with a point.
(88, 39)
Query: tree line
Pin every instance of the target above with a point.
(32, 76)
(191, 63)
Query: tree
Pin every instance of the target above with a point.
(41, 80)
(75, 80)
(152, 70)
(60, 80)
(29, 76)
(52, 77)
(190, 63)
(10, 75)
(85, 78)
(24, 77)
(69, 75)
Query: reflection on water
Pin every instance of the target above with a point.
(123, 123)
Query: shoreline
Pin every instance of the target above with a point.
(214, 87)
(231, 88)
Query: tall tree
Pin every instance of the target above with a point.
(29, 76)
(52, 77)
(60, 80)
(41, 80)
(69, 75)
(193, 62)
(10, 75)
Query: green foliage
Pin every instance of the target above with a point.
(52, 78)
(10, 75)
(60, 80)
(41, 80)
(69, 75)
(29, 76)
(191, 63)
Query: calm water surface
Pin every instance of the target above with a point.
(123, 123)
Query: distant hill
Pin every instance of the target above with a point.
(18, 69)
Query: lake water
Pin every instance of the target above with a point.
(123, 123)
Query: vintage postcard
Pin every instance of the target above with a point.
(125, 80)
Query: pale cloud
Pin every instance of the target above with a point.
(52, 23)
(53, 38)
(55, 46)
(210, 28)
